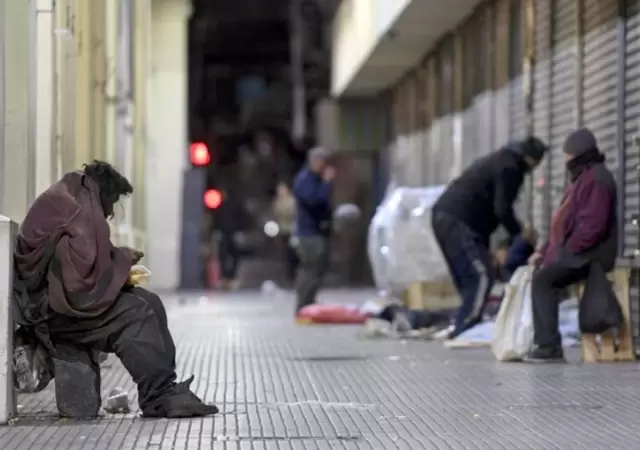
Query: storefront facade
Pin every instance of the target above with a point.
(505, 69)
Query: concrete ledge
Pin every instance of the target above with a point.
(8, 409)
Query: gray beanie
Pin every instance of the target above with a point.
(579, 142)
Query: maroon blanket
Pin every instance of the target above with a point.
(64, 247)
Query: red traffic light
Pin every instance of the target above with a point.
(199, 154)
(212, 198)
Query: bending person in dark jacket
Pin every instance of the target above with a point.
(312, 189)
(583, 230)
(470, 210)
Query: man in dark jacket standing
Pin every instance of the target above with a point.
(470, 210)
(312, 189)
(583, 231)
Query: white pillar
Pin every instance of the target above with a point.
(19, 144)
(43, 61)
(8, 408)
(124, 112)
(167, 153)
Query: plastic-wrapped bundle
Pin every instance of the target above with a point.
(402, 247)
(32, 364)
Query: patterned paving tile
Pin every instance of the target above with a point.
(282, 386)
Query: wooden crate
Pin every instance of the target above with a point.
(433, 295)
(601, 348)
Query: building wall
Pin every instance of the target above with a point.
(58, 62)
(521, 66)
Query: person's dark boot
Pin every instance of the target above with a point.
(545, 355)
(180, 403)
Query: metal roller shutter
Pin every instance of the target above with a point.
(445, 151)
(516, 56)
(414, 138)
(541, 122)
(516, 92)
(470, 74)
(632, 129)
(483, 100)
(599, 74)
(563, 91)
(631, 195)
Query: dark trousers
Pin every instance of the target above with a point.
(548, 287)
(135, 328)
(313, 252)
(228, 256)
(291, 258)
(468, 259)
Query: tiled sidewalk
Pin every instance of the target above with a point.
(285, 387)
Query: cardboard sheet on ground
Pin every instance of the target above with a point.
(483, 333)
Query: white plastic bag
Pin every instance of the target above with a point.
(513, 335)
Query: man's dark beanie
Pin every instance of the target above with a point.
(534, 148)
(580, 141)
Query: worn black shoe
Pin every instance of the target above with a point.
(180, 403)
(545, 355)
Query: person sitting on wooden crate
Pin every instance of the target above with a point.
(467, 214)
(73, 289)
(583, 231)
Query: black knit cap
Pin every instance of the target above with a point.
(579, 142)
(534, 148)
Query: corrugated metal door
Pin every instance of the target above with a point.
(445, 153)
(516, 56)
(599, 74)
(563, 90)
(541, 122)
(470, 74)
(483, 100)
(631, 183)
(632, 129)
(501, 72)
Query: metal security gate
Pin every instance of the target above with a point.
(563, 91)
(516, 56)
(599, 74)
(541, 119)
(631, 195)
(470, 77)
(445, 109)
(632, 129)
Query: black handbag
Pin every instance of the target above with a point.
(600, 310)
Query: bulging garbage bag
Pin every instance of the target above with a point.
(32, 363)
(513, 332)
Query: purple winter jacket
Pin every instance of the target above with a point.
(587, 226)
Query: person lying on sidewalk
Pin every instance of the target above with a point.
(507, 259)
(71, 285)
(583, 232)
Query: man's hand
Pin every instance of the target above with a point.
(535, 259)
(329, 174)
(135, 254)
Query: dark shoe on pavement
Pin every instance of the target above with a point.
(180, 403)
(545, 355)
